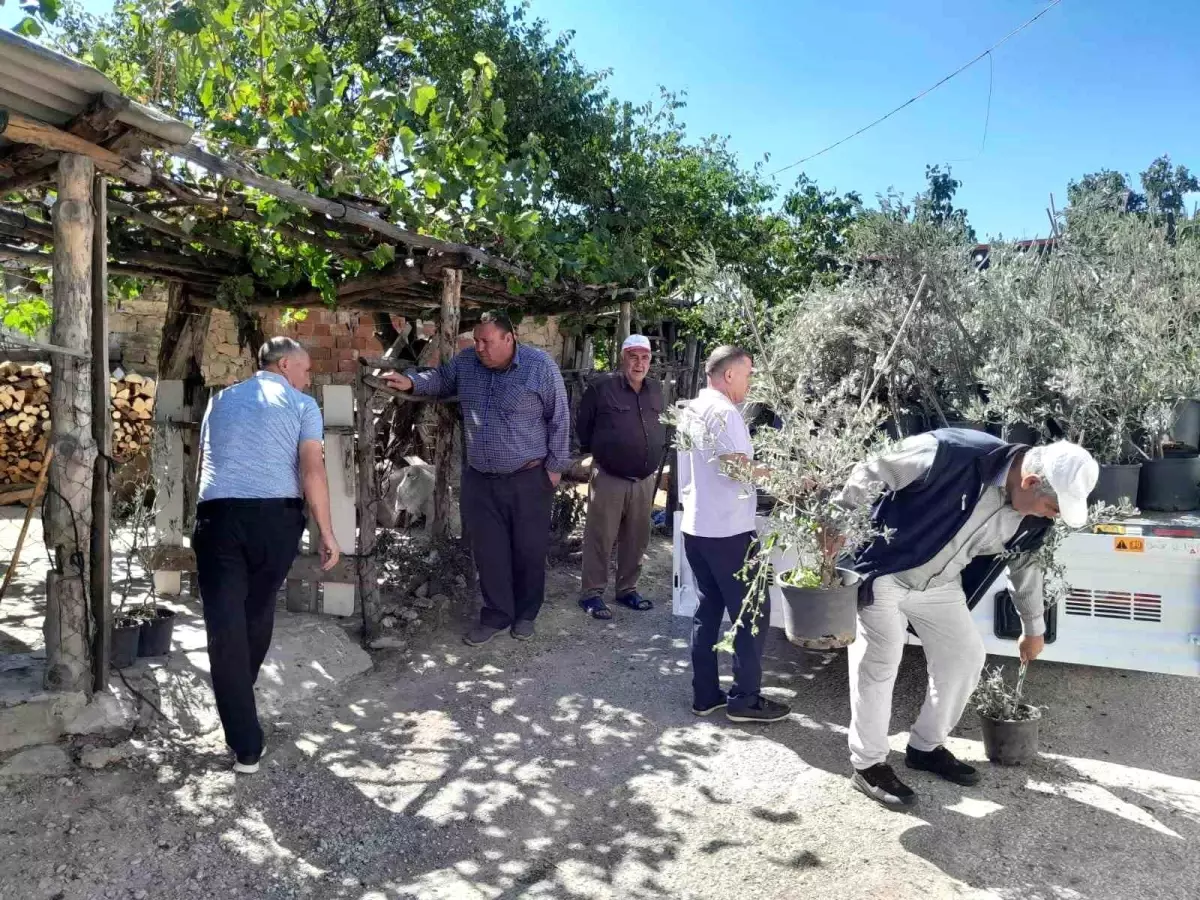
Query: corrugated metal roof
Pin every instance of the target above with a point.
(54, 89)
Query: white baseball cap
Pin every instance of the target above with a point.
(636, 342)
(1072, 474)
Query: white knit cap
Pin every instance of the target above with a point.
(636, 342)
(1072, 474)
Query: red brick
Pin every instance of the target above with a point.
(323, 341)
(343, 342)
(364, 331)
(304, 328)
(347, 365)
(320, 353)
(323, 366)
(321, 329)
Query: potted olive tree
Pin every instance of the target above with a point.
(806, 463)
(809, 373)
(1010, 724)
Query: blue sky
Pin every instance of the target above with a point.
(1093, 84)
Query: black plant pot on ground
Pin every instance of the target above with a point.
(1170, 485)
(821, 618)
(156, 633)
(1117, 482)
(1011, 742)
(125, 636)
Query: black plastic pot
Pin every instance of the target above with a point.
(1170, 485)
(1011, 743)
(125, 636)
(1115, 482)
(156, 634)
(908, 425)
(1186, 427)
(1021, 433)
(821, 618)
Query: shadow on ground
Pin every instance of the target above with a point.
(571, 767)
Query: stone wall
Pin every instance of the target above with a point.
(335, 340)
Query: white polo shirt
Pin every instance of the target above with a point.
(714, 505)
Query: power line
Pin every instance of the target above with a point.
(928, 90)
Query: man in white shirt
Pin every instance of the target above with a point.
(719, 539)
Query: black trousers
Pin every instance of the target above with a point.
(715, 564)
(507, 520)
(244, 549)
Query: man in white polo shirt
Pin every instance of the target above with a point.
(719, 537)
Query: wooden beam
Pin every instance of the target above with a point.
(345, 212)
(100, 592)
(624, 323)
(14, 218)
(446, 416)
(116, 209)
(21, 129)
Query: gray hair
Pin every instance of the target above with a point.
(1034, 464)
(276, 349)
(722, 358)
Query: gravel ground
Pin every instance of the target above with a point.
(570, 767)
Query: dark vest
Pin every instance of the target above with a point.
(927, 514)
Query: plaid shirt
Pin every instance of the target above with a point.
(510, 417)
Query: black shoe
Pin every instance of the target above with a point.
(246, 763)
(761, 710)
(711, 707)
(943, 763)
(523, 630)
(881, 784)
(480, 635)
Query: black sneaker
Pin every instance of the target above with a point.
(761, 710)
(523, 630)
(881, 784)
(712, 707)
(247, 764)
(480, 635)
(943, 763)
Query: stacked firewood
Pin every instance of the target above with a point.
(132, 412)
(25, 419)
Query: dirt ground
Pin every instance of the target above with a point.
(571, 767)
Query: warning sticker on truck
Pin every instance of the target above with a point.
(1129, 545)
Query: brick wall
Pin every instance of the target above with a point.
(334, 339)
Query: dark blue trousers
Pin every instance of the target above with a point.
(715, 564)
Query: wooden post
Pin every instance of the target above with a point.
(446, 415)
(101, 574)
(68, 511)
(689, 388)
(624, 324)
(368, 508)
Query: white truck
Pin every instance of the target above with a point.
(1134, 600)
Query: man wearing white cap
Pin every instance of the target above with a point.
(620, 423)
(959, 507)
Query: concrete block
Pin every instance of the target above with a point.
(29, 714)
(337, 599)
(109, 714)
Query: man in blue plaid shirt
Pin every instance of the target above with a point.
(516, 426)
